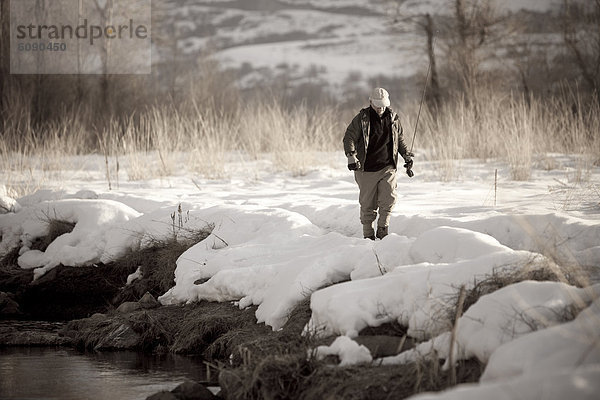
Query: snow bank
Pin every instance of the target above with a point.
(503, 316)
(582, 383)
(556, 363)
(272, 258)
(446, 245)
(104, 229)
(275, 258)
(563, 347)
(98, 234)
(569, 240)
(415, 295)
(516, 311)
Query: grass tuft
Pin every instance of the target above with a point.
(12, 277)
(158, 261)
(56, 228)
(213, 328)
(505, 277)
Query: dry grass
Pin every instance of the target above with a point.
(188, 329)
(281, 376)
(385, 382)
(276, 365)
(149, 143)
(508, 276)
(248, 343)
(56, 228)
(157, 260)
(510, 129)
(211, 330)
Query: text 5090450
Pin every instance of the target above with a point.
(42, 46)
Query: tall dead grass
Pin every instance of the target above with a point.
(511, 128)
(150, 143)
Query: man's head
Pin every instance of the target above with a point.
(379, 99)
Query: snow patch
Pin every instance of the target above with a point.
(97, 236)
(348, 351)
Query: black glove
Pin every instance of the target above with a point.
(353, 163)
(408, 164)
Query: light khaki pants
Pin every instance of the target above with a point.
(377, 191)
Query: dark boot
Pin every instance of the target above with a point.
(382, 231)
(368, 231)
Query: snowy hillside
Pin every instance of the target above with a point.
(279, 239)
(314, 41)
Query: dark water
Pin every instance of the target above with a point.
(55, 373)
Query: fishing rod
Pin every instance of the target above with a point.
(422, 99)
(408, 167)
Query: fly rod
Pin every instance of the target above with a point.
(422, 99)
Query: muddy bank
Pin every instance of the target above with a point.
(251, 361)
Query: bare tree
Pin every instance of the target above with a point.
(471, 31)
(581, 34)
(424, 23)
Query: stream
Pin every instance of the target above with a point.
(48, 373)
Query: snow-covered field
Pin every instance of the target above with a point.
(331, 42)
(278, 239)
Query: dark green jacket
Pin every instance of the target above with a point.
(356, 138)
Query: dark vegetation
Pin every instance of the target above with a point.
(66, 293)
(157, 263)
(12, 277)
(254, 362)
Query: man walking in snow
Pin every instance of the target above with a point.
(372, 143)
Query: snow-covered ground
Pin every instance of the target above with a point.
(280, 238)
(326, 42)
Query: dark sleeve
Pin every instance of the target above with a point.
(351, 136)
(402, 149)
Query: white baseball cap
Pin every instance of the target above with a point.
(380, 97)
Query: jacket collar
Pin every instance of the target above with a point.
(366, 111)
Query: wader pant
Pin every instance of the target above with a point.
(377, 191)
